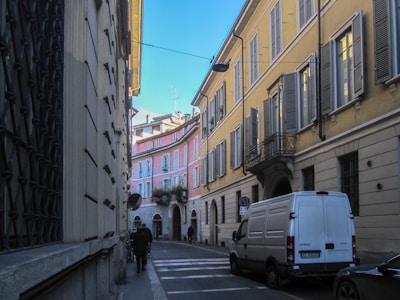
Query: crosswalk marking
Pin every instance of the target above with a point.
(196, 276)
(213, 290)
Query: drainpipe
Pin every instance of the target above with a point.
(208, 188)
(243, 143)
(319, 102)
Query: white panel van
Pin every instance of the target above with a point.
(301, 234)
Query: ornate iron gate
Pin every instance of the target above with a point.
(31, 123)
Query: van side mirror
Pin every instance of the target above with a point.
(234, 235)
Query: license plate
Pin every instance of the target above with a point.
(309, 254)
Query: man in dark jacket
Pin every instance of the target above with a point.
(140, 249)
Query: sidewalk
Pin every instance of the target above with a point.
(146, 285)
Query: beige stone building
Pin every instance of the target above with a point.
(64, 170)
(305, 95)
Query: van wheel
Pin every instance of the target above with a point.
(235, 269)
(273, 279)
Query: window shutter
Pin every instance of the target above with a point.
(240, 145)
(326, 95)
(223, 157)
(248, 134)
(267, 116)
(358, 54)
(382, 41)
(218, 160)
(313, 90)
(289, 101)
(232, 155)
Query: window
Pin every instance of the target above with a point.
(195, 148)
(147, 190)
(175, 181)
(139, 170)
(280, 111)
(139, 188)
(387, 39)
(307, 93)
(166, 184)
(148, 167)
(254, 193)
(165, 163)
(185, 155)
(220, 103)
(276, 34)
(238, 84)
(349, 179)
(306, 11)
(176, 159)
(220, 159)
(236, 147)
(308, 179)
(342, 66)
(254, 59)
(196, 177)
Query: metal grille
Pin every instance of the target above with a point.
(31, 124)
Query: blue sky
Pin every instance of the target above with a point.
(179, 40)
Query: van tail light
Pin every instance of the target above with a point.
(290, 249)
(353, 245)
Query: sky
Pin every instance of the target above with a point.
(180, 38)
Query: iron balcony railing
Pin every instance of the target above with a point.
(275, 146)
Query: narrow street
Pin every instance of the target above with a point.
(203, 272)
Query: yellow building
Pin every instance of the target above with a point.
(304, 95)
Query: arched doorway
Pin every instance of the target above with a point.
(176, 224)
(157, 226)
(193, 223)
(214, 224)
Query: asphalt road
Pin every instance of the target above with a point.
(203, 272)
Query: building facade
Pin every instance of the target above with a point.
(166, 173)
(304, 95)
(64, 146)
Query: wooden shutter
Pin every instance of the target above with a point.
(358, 54)
(326, 94)
(289, 102)
(383, 54)
(267, 117)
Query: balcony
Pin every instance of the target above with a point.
(277, 148)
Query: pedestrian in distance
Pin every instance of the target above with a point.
(190, 234)
(149, 239)
(140, 249)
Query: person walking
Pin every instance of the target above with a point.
(190, 234)
(140, 249)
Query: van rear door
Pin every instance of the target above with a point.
(324, 229)
(339, 229)
(309, 230)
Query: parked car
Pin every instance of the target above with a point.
(365, 282)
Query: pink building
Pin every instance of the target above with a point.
(166, 173)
